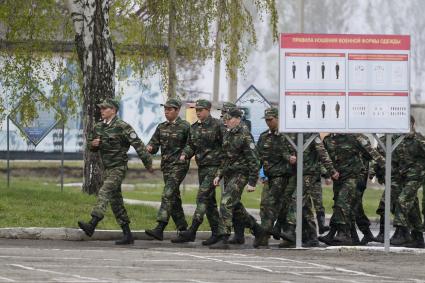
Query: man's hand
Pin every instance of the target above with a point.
(250, 189)
(216, 181)
(335, 176)
(182, 157)
(95, 142)
(328, 181)
(149, 148)
(292, 159)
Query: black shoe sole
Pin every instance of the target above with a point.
(150, 234)
(81, 225)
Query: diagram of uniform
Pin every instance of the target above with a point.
(337, 70)
(337, 108)
(294, 69)
(308, 70)
(359, 74)
(323, 109)
(323, 70)
(379, 73)
(294, 109)
(308, 109)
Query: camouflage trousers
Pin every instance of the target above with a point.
(282, 220)
(309, 224)
(344, 192)
(110, 192)
(317, 196)
(206, 202)
(423, 200)
(359, 216)
(171, 202)
(272, 199)
(231, 208)
(395, 192)
(407, 212)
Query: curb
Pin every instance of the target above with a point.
(73, 234)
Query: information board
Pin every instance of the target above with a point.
(344, 83)
(36, 130)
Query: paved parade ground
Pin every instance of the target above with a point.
(148, 261)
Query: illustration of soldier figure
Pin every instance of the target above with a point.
(323, 109)
(294, 109)
(337, 70)
(308, 109)
(323, 70)
(294, 68)
(308, 70)
(337, 108)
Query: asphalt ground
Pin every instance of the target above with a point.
(153, 261)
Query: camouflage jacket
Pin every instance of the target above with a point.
(205, 142)
(315, 156)
(379, 171)
(239, 155)
(115, 140)
(171, 137)
(345, 150)
(274, 151)
(412, 154)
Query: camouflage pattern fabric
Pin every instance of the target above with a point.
(239, 167)
(345, 150)
(412, 168)
(317, 195)
(115, 140)
(171, 138)
(110, 193)
(205, 144)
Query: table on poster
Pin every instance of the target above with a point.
(344, 83)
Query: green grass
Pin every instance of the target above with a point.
(37, 203)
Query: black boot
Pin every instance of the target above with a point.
(261, 237)
(380, 237)
(214, 237)
(354, 235)
(127, 238)
(328, 239)
(89, 228)
(221, 244)
(310, 239)
(286, 244)
(158, 232)
(417, 240)
(367, 237)
(239, 233)
(276, 230)
(320, 216)
(343, 237)
(188, 235)
(289, 234)
(401, 236)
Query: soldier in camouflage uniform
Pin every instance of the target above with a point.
(112, 138)
(317, 197)
(171, 136)
(314, 156)
(205, 144)
(239, 168)
(358, 216)
(407, 213)
(345, 149)
(276, 155)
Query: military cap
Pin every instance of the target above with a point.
(203, 104)
(173, 102)
(233, 113)
(271, 113)
(109, 103)
(226, 106)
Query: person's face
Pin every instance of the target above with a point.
(272, 123)
(171, 113)
(107, 113)
(202, 114)
(232, 122)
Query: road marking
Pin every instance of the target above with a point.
(56, 272)
(5, 279)
(337, 279)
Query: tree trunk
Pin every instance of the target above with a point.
(172, 54)
(97, 61)
(217, 57)
(234, 53)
